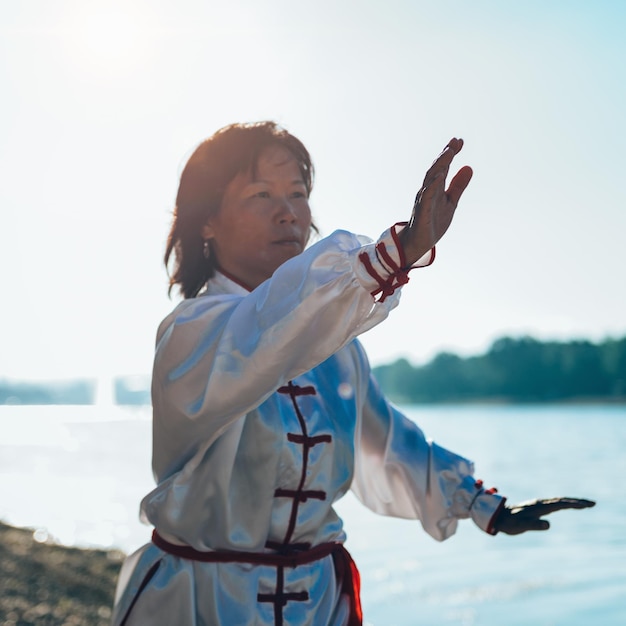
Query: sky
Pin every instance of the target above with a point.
(103, 102)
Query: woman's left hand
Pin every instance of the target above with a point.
(520, 518)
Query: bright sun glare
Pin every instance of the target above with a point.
(109, 34)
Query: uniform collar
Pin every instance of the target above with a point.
(221, 284)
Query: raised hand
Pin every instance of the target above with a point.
(434, 205)
(522, 517)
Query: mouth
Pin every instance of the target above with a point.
(288, 242)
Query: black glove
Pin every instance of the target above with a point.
(519, 518)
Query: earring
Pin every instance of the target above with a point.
(206, 250)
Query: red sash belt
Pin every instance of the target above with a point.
(345, 568)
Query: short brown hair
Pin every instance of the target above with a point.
(232, 150)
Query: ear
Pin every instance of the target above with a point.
(207, 231)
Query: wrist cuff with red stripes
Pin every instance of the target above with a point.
(386, 264)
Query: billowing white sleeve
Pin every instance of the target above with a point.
(398, 472)
(220, 356)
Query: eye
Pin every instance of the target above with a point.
(262, 194)
(298, 194)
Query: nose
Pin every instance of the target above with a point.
(285, 212)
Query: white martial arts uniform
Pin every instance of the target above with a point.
(265, 414)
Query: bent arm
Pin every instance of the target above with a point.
(398, 472)
(220, 356)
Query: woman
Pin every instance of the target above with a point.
(265, 411)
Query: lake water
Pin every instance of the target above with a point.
(78, 474)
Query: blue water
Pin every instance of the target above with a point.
(76, 474)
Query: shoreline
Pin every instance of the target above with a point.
(48, 584)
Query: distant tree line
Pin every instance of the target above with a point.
(514, 370)
(80, 391)
(126, 390)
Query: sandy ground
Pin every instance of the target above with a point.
(45, 584)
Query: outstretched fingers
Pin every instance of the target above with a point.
(435, 178)
(434, 206)
(528, 516)
(442, 163)
(558, 504)
(551, 505)
(455, 145)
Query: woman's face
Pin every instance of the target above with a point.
(263, 220)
